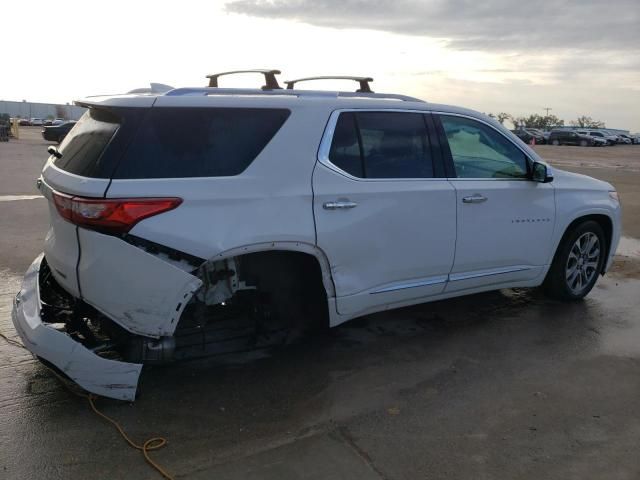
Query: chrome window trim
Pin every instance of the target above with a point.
(327, 138)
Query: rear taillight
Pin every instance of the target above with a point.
(110, 215)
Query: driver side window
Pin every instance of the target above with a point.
(478, 151)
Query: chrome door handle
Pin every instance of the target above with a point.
(476, 198)
(339, 205)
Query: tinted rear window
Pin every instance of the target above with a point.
(85, 143)
(199, 142)
(382, 145)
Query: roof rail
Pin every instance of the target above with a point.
(270, 82)
(291, 93)
(363, 81)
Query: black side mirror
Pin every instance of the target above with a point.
(541, 173)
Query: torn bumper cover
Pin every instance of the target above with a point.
(102, 376)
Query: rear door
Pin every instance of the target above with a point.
(385, 214)
(504, 220)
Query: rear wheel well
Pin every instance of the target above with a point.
(605, 223)
(293, 283)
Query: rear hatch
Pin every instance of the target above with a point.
(83, 168)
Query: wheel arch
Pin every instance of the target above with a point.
(602, 219)
(286, 246)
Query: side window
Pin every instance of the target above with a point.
(479, 151)
(180, 142)
(345, 147)
(382, 145)
(395, 145)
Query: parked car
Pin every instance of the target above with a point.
(597, 134)
(173, 212)
(528, 134)
(36, 122)
(570, 137)
(57, 133)
(58, 121)
(611, 139)
(599, 140)
(24, 122)
(625, 139)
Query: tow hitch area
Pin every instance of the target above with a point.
(53, 328)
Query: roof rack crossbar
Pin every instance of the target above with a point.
(363, 81)
(270, 82)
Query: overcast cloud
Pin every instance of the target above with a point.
(473, 24)
(577, 56)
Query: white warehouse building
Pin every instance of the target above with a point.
(26, 109)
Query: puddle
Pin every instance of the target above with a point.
(629, 247)
(615, 320)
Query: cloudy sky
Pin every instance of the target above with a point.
(577, 57)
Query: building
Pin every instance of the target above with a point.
(40, 110)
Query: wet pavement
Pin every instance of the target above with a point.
(502, 385)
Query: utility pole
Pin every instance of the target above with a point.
(547, 110)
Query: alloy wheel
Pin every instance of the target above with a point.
(582, 263)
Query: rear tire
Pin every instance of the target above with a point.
(577, 262)
(555, 142)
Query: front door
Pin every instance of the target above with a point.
(505, 221)
(384, 219)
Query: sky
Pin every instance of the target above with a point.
(578, 57)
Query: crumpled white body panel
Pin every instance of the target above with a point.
(109, 378)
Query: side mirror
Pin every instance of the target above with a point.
(541, 173)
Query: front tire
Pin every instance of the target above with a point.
(555, 142)
(577, 263)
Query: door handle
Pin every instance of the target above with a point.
(339, 205)
(475, 198)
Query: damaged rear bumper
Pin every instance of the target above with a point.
(102, 376)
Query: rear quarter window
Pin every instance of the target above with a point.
(84, 145)
(199, 142)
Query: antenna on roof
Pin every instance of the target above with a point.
(270, 82)
(363, 81)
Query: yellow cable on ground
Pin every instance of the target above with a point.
(152, 444)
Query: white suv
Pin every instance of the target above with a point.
(177, 217)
